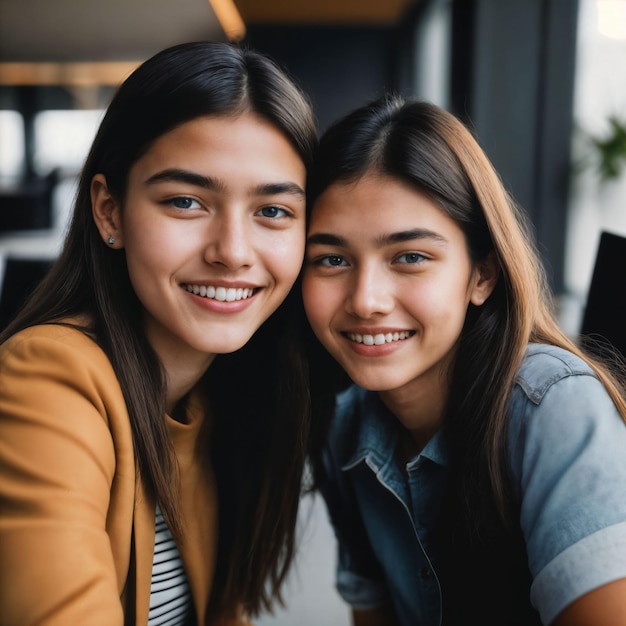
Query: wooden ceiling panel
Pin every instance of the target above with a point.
(322, 11)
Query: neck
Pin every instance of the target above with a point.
(419, 411)
(183, 366)
(181, 377)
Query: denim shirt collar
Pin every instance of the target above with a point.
(376, 436)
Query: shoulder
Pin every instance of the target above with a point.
(561, 419)
(557, 392)
(59, 362)
(58, 344)
(545, 365)
(48, 334)
(64, 331)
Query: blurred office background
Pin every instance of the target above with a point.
(541, 82)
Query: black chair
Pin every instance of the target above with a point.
(604, 319)
(29, 206)
(21, 276)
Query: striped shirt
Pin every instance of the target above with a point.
(170, 596)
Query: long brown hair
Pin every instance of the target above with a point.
(262, 388)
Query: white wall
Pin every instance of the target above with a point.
(600, 91)
(310, 593)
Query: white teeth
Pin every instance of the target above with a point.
(379, 339)
(221, 294)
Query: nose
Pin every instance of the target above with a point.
(372, 294)
(230, 240)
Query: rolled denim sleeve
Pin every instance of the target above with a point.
(570, 464)
(359, 592)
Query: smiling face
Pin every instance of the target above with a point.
(213, 230)
(387, 283)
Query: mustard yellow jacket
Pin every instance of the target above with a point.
(76, 528)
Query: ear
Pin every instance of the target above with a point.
(486, 275)
(106, 212)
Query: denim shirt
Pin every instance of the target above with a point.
(567, 447)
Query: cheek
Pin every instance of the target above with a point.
(319, 303)
(442, 302)
(153, 258)
(144, 236)
(148, 257)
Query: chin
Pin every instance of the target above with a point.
(226, 345)
(228, 348)
(373, 383)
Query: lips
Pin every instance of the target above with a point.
(221, 294)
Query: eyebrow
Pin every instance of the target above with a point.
(213, 184)
(326, 239)
(410, 235)
(329, 239)
(185, 176)
(275, 189)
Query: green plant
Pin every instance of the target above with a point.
(611, 150)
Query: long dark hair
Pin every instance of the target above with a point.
(261, 389)
(430, 149)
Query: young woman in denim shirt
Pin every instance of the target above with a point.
(475, 470)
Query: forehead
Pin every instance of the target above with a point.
(246, 144)
(378, 203)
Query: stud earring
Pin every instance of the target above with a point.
(111, 241)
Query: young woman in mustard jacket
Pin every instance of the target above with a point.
(153, 421)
